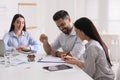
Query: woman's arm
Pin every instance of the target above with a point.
(73, 60)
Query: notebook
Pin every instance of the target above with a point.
(2, 48)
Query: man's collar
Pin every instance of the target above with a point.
(73, 32)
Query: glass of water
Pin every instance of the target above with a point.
(7, 58)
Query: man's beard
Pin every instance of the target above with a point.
(66, 31)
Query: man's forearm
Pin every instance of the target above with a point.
(47, 47)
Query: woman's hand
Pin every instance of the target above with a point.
(70, 59)
(64, 54)
(23, 48)
(73, 60)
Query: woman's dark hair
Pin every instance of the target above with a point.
(60, 14)
(86, 25)
(13, 21)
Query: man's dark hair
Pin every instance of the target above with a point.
(60, 14)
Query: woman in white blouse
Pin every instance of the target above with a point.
(96, 59)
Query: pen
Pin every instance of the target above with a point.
(67, 53)
(40, 59)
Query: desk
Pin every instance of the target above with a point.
(35, 71)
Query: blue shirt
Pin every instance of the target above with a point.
(11, 40)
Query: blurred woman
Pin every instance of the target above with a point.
(96, 59)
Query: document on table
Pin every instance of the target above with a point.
(51, 59)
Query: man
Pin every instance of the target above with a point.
(67, 40)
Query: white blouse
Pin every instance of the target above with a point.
(96, 64)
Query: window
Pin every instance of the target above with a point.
(114, 16)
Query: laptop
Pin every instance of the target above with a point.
(2, 48)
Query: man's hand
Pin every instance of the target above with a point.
(60, 54)
(43, 38)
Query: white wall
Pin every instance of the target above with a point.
(45, 11)
(7, 10)
(100, 11)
